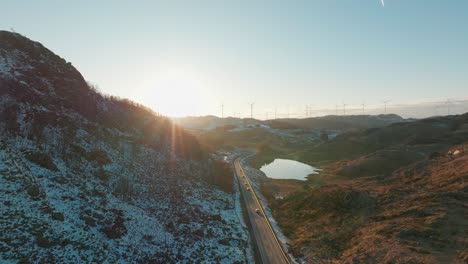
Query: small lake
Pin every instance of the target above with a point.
(288, 169)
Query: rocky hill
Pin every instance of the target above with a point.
(91, 178)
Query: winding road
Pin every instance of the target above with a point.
(268, 245)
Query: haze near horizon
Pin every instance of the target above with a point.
(299, 59)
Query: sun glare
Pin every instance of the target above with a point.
(176, 92)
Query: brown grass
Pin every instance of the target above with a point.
(415, 215)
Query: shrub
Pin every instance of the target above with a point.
(9, 116)
(124, 186)
(221, 176)
(78, 149)
(44, 242)
(89, 221)
(42, 159)
(117, 229)
(99, 156)
(35, 192)
(102, 174)
(58, 216)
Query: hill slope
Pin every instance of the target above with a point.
(343, 123)
(395, 194)
(338, 123)
(92, 178)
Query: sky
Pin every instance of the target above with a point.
(190, 57)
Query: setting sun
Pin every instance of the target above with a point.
(176, 92)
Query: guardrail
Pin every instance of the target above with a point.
(264, 215)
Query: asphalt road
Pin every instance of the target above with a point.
(270, 250)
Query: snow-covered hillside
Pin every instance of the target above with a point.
(89, 178)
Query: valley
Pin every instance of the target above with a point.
(395, 186)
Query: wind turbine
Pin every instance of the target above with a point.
(344, 108)
(363, 107)
(251, 110)
(448, 103)
(385, 105)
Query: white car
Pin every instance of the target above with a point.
(257, 210)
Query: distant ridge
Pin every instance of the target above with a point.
(331, 122)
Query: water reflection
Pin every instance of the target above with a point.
(288, 169)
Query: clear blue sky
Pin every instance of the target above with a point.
(189, 57)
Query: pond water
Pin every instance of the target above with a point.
(288, 169)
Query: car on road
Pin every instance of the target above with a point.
(257, 210)
(248, 189)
